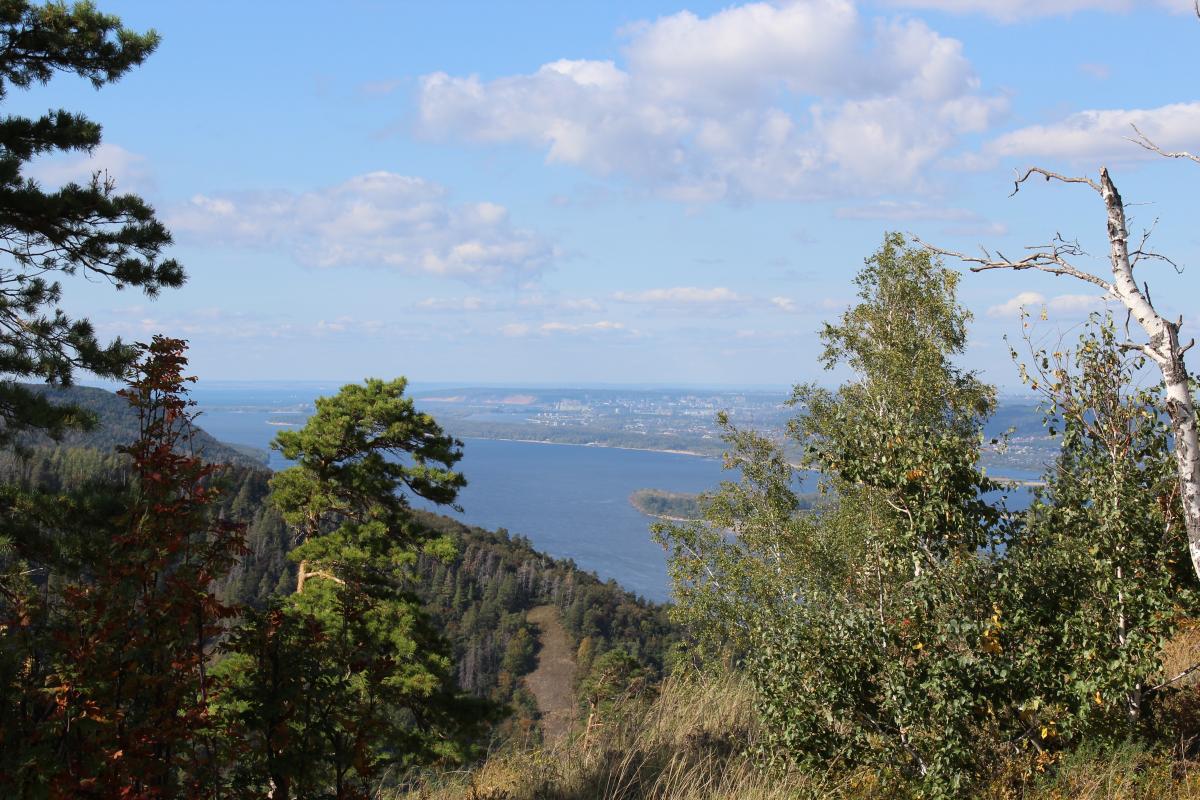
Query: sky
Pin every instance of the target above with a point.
(674, 193)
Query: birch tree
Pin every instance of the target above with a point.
(868, 626)
(1161, 345)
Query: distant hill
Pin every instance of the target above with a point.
(117, 425)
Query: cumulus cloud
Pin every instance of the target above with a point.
(797, 100)
(380, 219)
(1100, 135)
(956, 221)
(717, 300)
(1063, 303)
(516, 329)
(1014, 10)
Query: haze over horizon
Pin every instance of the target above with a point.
(664, 193)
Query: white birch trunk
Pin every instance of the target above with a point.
(1164, 350)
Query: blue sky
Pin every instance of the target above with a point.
(591, 192)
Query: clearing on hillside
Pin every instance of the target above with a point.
(552, 682)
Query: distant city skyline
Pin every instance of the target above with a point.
(667, 194)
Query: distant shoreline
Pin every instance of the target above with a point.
(594, 446)
(1018, 483)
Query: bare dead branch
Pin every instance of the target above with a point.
(1143, 141)
(1181, 675)
(1051, 176)
(1050, 258)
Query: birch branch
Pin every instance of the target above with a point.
(1144, 141)
(1049, 258)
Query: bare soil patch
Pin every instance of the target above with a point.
(552, 681)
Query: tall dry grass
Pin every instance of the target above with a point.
(690, 742)
(686, 743)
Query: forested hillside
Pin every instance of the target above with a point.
(116, 424)
(478, 598)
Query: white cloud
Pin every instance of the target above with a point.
(1069, 303)
(683, 296)
(718, 300)
(907, 211)
(1094, 136)
(137, 323)
(566, 327)
(1013, 10)
(956, 221)
(128, 170)
(515, 329)
(457, 304)
(1013, 306)
(553, 303)
(522, 329)
(798, 100)
(1034, 301)
(527, 302)
(379, 219)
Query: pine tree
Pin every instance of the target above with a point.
(89, 230)
(381, 693)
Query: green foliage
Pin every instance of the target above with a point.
(668, 505)
(864, 624)
(355, 452)
(1097, 587)
(612, 679)
(88, 230)
(479, 600)
(381, 675)
(105, 647)
(910, 627)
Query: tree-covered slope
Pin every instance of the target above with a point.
(479, 598)
(116, 424)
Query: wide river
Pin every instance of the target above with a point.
(571, 501)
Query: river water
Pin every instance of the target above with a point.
(570, 501)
